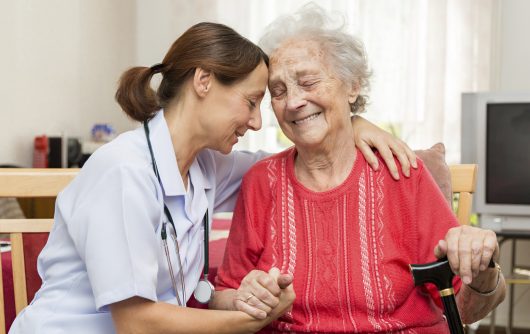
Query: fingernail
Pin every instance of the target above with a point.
(414, 164)
(482, 267)
(467, 280)
(396, 176)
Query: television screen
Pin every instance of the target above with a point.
(508, 153)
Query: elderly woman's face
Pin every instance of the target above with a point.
(309, 100)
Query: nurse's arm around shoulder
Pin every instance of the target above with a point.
(139, 315)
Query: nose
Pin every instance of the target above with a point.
(295, 98)
(254, 123)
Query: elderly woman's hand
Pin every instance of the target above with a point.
(367, 135)
(260, 292)
(469, 251)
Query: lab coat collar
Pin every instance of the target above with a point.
(166, 160)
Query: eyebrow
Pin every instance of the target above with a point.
(298, 74)
(306, 72)
(273, 81)
(257, 93)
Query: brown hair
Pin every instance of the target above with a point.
(211, 46)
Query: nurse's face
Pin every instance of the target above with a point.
(234, 109)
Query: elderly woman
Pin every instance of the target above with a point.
(342, 232)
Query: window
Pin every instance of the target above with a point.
(423, 54)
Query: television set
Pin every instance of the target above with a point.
(495, 134)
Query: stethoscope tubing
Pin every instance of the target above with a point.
(174, 235)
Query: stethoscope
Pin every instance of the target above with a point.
(204, 291)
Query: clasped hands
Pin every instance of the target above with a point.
(469, 251)
(262, 294)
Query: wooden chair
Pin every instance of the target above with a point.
(30, 183)
(26, 183)
(463, 180)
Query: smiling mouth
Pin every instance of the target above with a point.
(307, 119)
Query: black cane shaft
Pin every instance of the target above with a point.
(452, 315)
(439, 273)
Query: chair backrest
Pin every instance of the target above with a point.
(463, 180)
(26, 183)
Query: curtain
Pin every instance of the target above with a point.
(423, 54)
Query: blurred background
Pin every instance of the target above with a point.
(60, 62)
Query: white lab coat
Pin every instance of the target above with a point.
(105, 245)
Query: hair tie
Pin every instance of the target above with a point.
(157, 68)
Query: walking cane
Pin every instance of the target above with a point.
(440, 274)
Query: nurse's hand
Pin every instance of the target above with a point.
(261, 292)
(469, 251)
(368, 136)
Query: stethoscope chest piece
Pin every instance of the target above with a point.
(204, 291)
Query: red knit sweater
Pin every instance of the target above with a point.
(348, 248)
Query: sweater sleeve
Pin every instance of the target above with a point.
(434, 218)
(244, 246)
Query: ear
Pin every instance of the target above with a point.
(353, 93)
(202, 81)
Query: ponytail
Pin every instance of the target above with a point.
(211, 46)
(135, 95)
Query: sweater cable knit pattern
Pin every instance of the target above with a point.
(348, 248)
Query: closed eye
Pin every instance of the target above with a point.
(308, 84)
(277, 92)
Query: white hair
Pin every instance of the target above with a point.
(345, 51)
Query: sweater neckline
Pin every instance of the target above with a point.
(333, 192)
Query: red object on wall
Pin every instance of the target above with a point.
(40, 152)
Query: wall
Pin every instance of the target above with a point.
(514, 51)
(159, 23)
(511, 70)
(60, 61)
